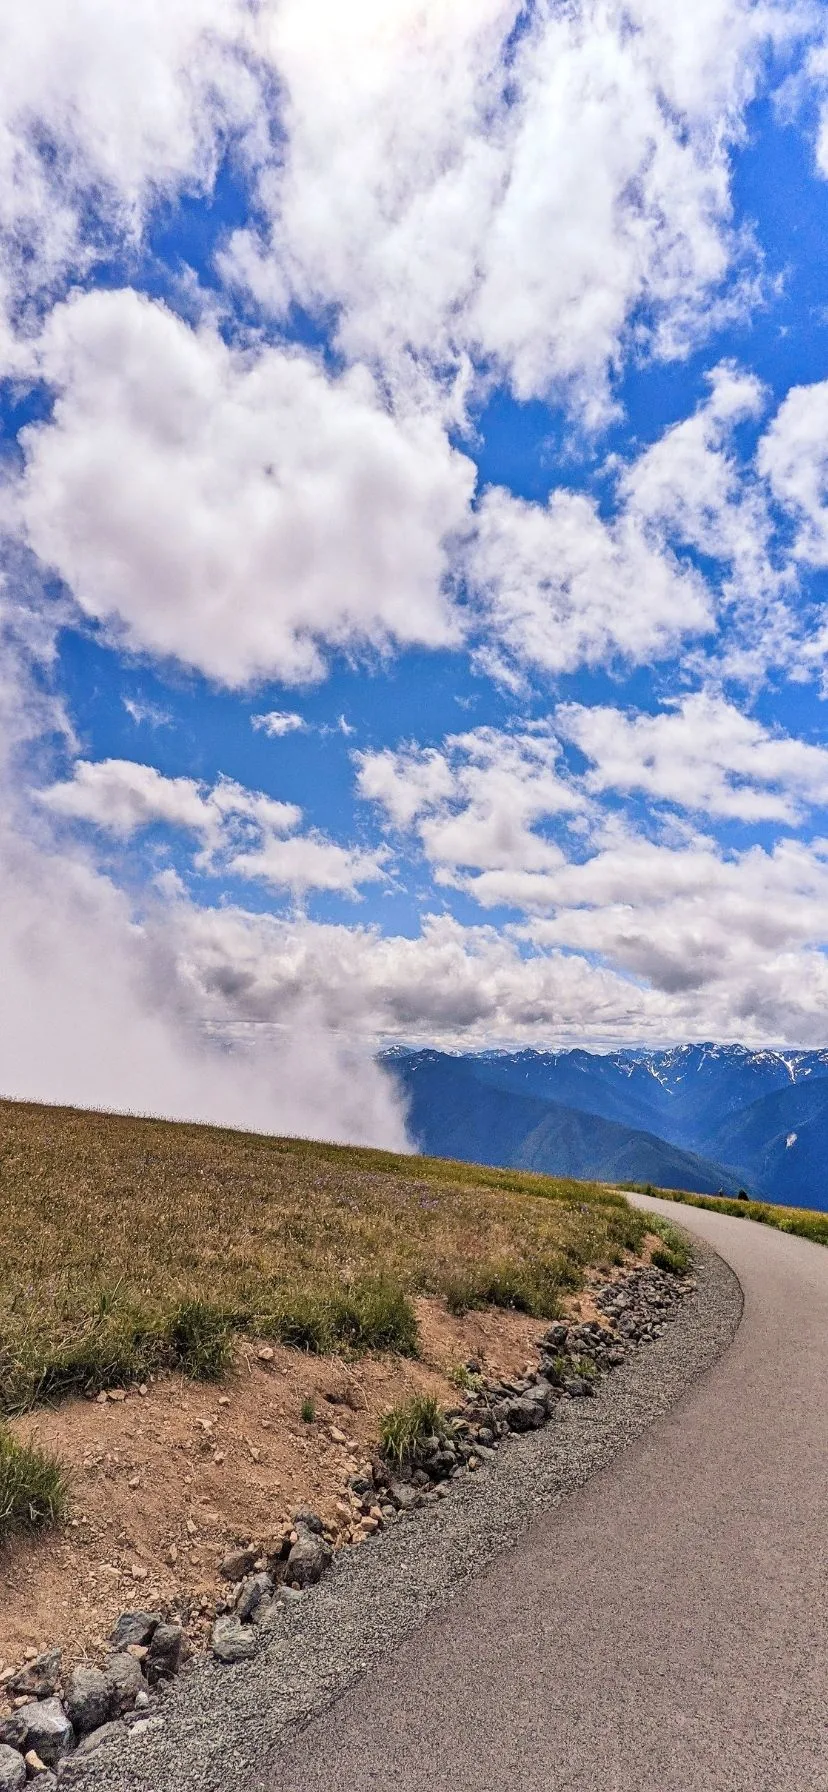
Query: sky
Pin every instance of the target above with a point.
(414, 517)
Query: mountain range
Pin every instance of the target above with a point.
(707, 1118)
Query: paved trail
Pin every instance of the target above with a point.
(666, 1630)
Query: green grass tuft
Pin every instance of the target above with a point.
(404, 1429)
(307, 1410)
(33, 1486)
(534, 1288)
(198, 1338)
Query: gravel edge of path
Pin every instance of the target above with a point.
(223, 1726)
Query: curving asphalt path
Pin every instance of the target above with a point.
(666, 1629)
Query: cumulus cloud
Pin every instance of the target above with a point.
(646, 943)
(793, 457)
(99, 1008)
(242, 831)
(458, 188)
(474, 804)
(559, 586)
(277, 722)
(704, 754)
(102, 113)
(690, 488)
(236, 510)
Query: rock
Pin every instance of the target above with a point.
(134, 1627)
(238, 1562)
(307, 1520)
(48, 1730)
(13, 1731)
(12, 1769)
(164, 1653)
(361, 1484)
(146, 1726)
(88, 1699)
(522, 1414)
(106, 1733)
(405, 1496)
(33, 1762)
(46, 1781)
(125, 1680)
(38, 1679)
(256, 1588)
(308, 1559)
(231, 1642)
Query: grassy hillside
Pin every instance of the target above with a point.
(128, 1245)
(802, 1222)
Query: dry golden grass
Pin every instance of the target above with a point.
(128, 1243)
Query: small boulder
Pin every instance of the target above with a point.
(231, 1641)
(125, 1681)
(48, 1730)
(307, 1520)
(12, 1769)
(308, 1559)
(521, 1413)
(39, 1679)
(164, 1652)
(134, 1628)
(238, 1562)
(88, 1698)
(254, 1590)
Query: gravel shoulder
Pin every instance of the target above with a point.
(227, 1728)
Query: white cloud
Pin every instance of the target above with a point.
(241, 831)
(704, 754)
(689, 487)
(99, 1007)
(146, 714)
(102, 112)
(689, 946)
(474, 804)
(277, 722)
(561, 587)
(453, 198)
(237, 510)
(793, 457)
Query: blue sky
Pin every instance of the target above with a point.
(415, 525)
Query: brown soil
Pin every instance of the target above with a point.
(165, 1477)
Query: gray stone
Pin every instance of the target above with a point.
(308, 1559)
(405, 1496)
(12, 1769)
(307, 1520)
(231, 1641)
(48, 1729)
(523, 1414)
(88, 1698)
(112, 1732)
(13, 1731)
(164, 1653)
(238, 1562)
(134, 1627)
(125, 1680)
(146, 1726)
(256, 1588)
(38, 1679)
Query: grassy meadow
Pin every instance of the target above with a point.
(803, 1222)
(132, 1245)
